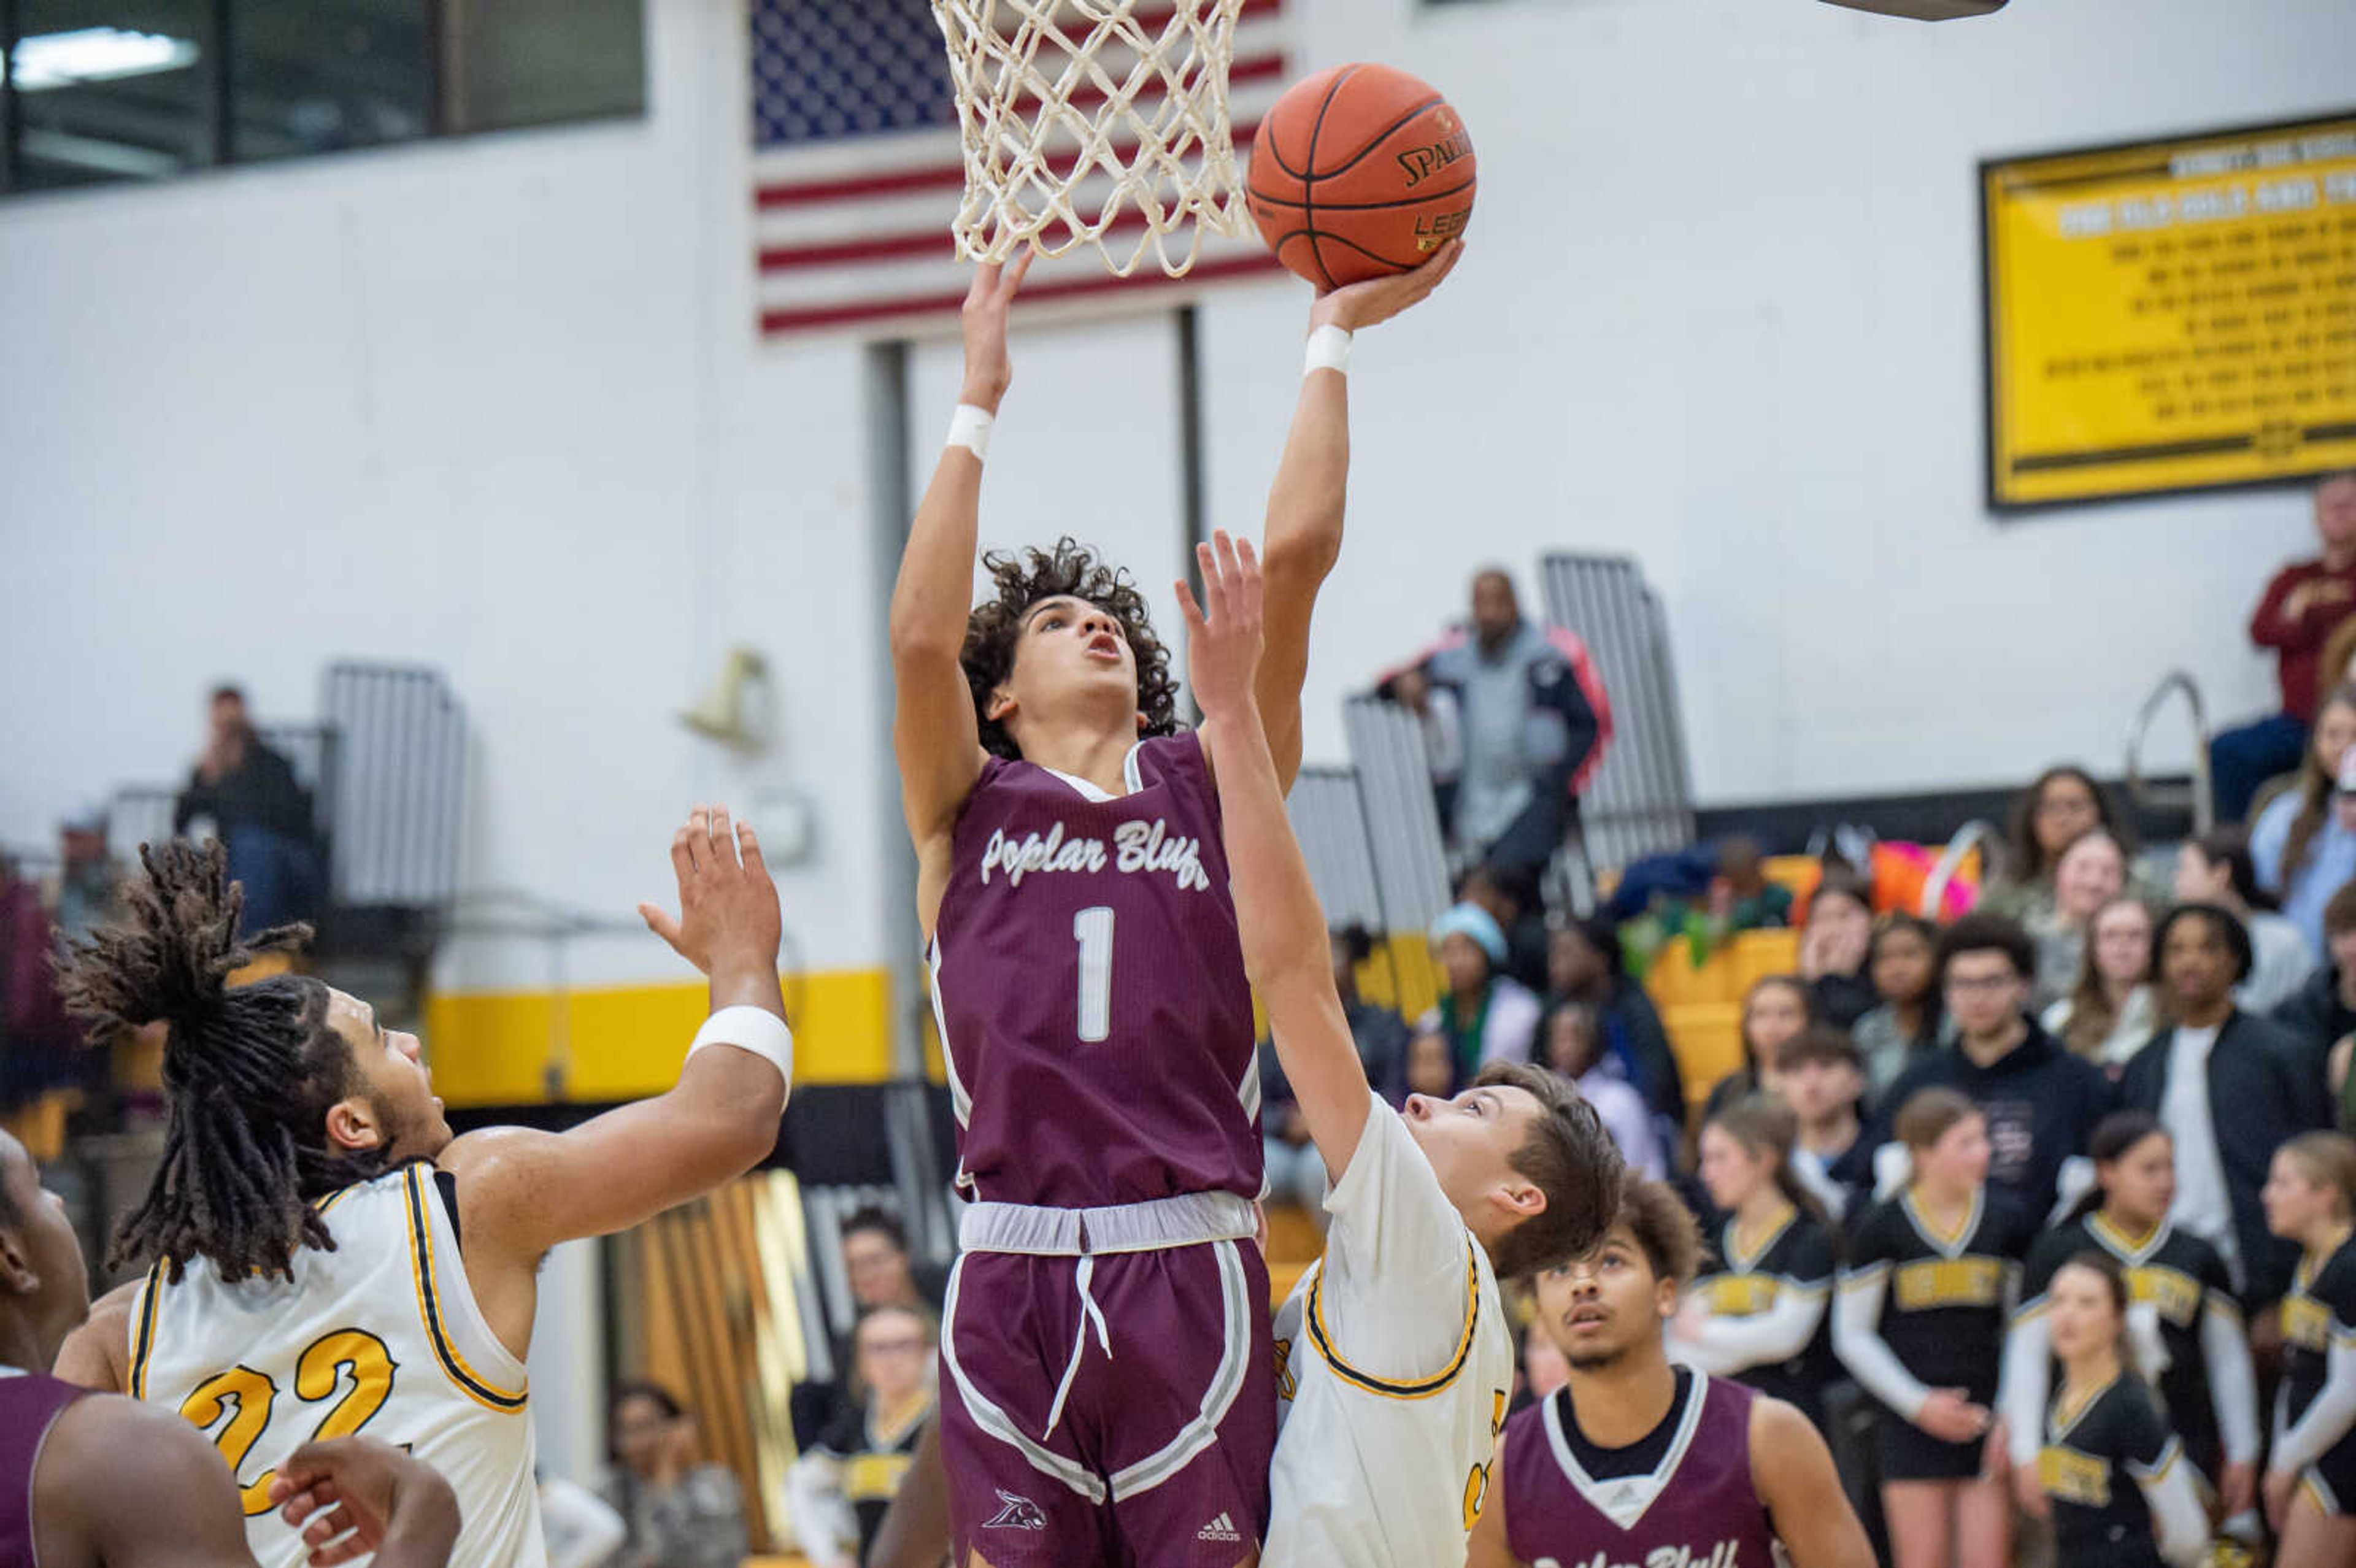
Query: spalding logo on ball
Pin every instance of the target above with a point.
(1359, 172)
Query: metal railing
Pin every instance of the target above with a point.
(1969, 838)
(2198, 796)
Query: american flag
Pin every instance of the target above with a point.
(857, 172)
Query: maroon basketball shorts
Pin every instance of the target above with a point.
(1108, 1407)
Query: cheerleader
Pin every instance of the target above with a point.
(2185, 1321)
(1919, 1321)
(2310, 1489)
(1758, 1311)
(2114, 1477)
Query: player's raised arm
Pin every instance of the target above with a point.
(524, 1191)
(1302, 537)
(1281, 925)
(933, 730)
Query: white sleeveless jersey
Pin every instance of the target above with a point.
(381, 1337)
(1394, 1364)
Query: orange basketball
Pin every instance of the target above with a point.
(1357, 172)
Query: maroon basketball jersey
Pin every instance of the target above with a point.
(1090, 991)
(29, 1402)
(1682, 1498)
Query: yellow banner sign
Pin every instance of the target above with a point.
(2175, 314)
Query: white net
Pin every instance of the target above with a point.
(1100, 123)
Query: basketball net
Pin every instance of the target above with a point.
(1099, 123)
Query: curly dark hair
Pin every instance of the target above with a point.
(1072, 570)
(250, 1072)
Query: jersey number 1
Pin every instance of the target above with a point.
(1092, 928)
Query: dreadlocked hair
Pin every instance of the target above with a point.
(1071, 570)
(249, 1072)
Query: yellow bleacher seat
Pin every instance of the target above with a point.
(1708, 1038)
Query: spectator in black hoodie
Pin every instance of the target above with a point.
(2222, 1084)
(2039, 1101)
(1584, 965)
(2322, 1012)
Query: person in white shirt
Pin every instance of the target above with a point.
(1394, 1361)
(1574, 1049)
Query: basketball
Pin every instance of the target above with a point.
(1360, 171)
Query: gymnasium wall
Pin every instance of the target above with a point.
(499, 407)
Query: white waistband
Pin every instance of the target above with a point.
(1186, 1221)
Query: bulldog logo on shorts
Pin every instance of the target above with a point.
(1020, 1513)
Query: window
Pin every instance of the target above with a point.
(102, 91)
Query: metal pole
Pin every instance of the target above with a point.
(892, 508)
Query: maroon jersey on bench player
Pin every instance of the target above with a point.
(1090, 991)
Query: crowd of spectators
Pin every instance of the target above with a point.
(2126, 1072)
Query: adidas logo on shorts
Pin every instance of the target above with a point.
(1220, 1529)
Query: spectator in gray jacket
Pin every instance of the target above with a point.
(1516, 719)
(681, 1513)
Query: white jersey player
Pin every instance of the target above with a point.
(329, 1258)
(1394, 1361)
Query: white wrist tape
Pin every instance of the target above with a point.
(969, 428)
(1328, 349)
(755, 1030)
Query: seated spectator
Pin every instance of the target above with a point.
(879, 1269)
(89, 886)
(2111, 1011)
(1574, 1048)
(1544, 1367)
(2221, 1084)
(1512, 900)
(877, 1266)
(1530, 722)
(2322, 1014)
(1750, 903)
(1585, 964)
(680, 1513)
(1903, 1026)
(1774, 1010)
(2302, 606)
(1431, 1066)
(261, 814)
(2039, 1101)
(1296, 1172)
(2091, 873)
(2304, 843)
(1486, 1015)
(837, 1490)
(1833, 947)
(2216, 868)
(2049, 815)
(1821, 1078)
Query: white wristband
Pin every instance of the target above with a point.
(756, 1029)
(969, 428)
(1328, 349)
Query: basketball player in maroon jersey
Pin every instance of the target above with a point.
(1107, 1388)
(1637, 1462)
(100, 1481)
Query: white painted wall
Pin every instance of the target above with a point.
(499, 407)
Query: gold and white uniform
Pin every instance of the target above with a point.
(379, 1337)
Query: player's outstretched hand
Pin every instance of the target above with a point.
(1223, 641)
(988, 369)
(349, 1494)
(728, 918)
(1354, 305)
